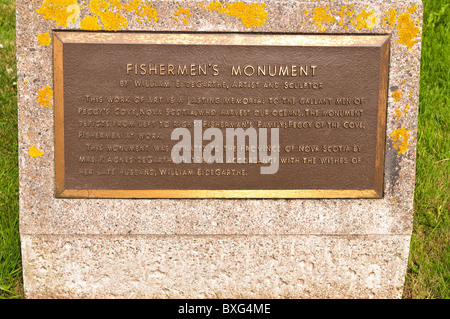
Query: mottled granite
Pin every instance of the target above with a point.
(58, 234)
(217, 266)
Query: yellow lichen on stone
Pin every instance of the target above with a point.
(405, 111)
(74, 10)
(321, 16)
(132, 5)
(251, 15)
(109, 13)
(412, 9)
(397, 95)
(44, 39)
(401, 138)
(398, 113)
(341, 12)
(143, 11)
(90, 23)
(407, 29)
(390, 17)
(148, 12)
(56, 10)
(349, 12)
(183, 13)
(342, 16)
(217, 6)
(366, 20)
(45, 95)
(34, 151)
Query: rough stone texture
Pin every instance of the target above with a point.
(89, 248)
(292, 266)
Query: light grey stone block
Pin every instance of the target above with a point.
(208, 248)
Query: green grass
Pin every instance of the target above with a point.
(429, 261)
(428, 273)
(10, 260)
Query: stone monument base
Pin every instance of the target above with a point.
(102, 246)
(284, 266)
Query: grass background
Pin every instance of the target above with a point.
(428, 274)
(10, 260)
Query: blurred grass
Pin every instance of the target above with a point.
(428, 274)
(10, 259)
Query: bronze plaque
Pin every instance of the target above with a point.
(161, 115)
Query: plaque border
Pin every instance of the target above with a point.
(330, 40)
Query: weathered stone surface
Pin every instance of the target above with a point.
(88, 247)
(284, 266)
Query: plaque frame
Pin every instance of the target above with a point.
(61, 37)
